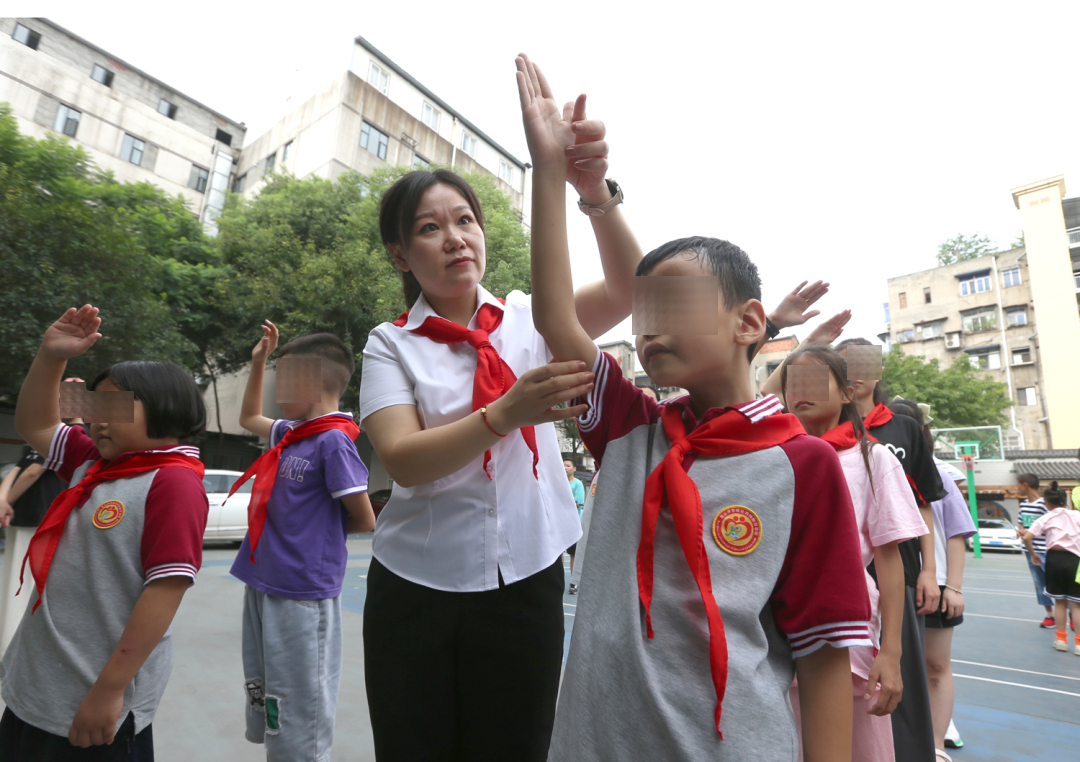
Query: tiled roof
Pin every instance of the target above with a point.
(1049, 468)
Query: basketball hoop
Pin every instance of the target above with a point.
(969, 461)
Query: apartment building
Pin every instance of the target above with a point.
(1014, 315)
(130, 123)
(376, 114)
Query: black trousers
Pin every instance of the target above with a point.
(912, 723)
(463, 676)
(22, 742)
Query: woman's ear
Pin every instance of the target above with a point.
(751, 326)
(848, 393)
(398, 257)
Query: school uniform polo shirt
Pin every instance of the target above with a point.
(1030, 512)
(799, 588)
(128, 533)
(459, 533)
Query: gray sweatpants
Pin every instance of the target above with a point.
(292, 670)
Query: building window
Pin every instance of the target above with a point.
(932, 330)
(468, 144)
(770, 368)
(431, 117)
(506, 173)
(1016, 316)
(888, 317)
(67, 120)
(27, 37)
(286, 152)
(240, 183)
(1021, 356)
(987, 359)
(983, 320)
(373, 140)
(268, 167)
(197, 179)
(926, 294)
(132, 150)
(977, 285)
(100, 74)
(166, 109)
(903, 300)
(419, 162)
(1027, 395)
(223, 137)
(379, 78)
(1010, 277)
(906, 337)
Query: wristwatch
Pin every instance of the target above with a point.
(599, 210)
(771, 331)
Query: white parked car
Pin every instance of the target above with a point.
(228, 521)
(997, 534)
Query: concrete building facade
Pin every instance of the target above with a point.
(376, 114)
(129, 123)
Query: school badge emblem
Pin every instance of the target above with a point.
(592, 489)
(737, 530)
(108, 514)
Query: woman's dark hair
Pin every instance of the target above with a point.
(911, 409)
(397, 212)
(1030, 480)
(880, 397)
(1054, 496)
(173, 403)
(340, 365)
(837, 365)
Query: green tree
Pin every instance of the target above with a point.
(958, 395)
(963, 247)
(71, 236)
(307, 255)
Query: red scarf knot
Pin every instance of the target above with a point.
(266, 467)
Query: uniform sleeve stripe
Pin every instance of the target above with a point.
(815, 645)
(171, 570)
(857, 632)
(55, 457)
(829, 626)
(592, 417)
(349, 491)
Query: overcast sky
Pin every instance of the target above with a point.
(841, 141)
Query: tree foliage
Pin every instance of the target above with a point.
(964, 247)
(959, 396)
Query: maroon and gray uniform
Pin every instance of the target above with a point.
(799, 588)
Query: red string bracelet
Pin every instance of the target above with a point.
(483, 412)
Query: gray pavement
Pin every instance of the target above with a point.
(1016, 698)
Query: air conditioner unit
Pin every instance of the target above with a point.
(952, 341)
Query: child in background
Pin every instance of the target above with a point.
(1033, 508)
(579, 499)
(761, 508)
(310, 492)
(111, 560)
(1061, 527)
(886, 515)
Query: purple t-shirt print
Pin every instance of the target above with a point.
(301, 554)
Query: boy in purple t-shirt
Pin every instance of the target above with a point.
(292, 605)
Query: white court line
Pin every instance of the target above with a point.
(996, 592)
(1010, 618)
(1014, 669)
(571, 605)
(1017, 685)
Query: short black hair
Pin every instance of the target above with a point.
(738, 275)
(173, 403)
(1030, 480)
(336, 373)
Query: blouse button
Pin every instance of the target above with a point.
(491, 512)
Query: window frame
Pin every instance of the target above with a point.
(107, 77)
(989, 323)
(269, 163)
(976, 285)
(436, 116)
(1010, 311)
(419, 162)
(509, 179)
(240, 183)
(903, 300)
(1027, 396)
(937, 330)
(976, 357)
(926, 295)
(170, 111)
(61, 109)
(382, 142)
(287, 151)
(475, 143)
(1008, 271)
(203, 179)
(1021, 351)
(33, 39)
(130, 148)
(375, 70)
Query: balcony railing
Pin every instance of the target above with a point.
(1074, 237)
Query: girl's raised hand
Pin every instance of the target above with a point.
(267, 344)
(587, 162)
(547, 132)
(74, 333)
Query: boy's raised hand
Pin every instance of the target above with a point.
(71, 335)
(267, 344)
(829, 330)
(547, 131)
(793, 309)
(587, 162)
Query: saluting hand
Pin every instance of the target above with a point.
(267, 344)
(71, 335)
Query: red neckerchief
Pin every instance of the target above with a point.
(43, 544)
(878, 416)
(731, 433)
(843, 436)
(266, 467)
(493, 377)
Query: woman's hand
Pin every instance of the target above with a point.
(267, 344)
(952, 603)
(547, 131)
(793, 310)
(884, 673)
(71, 335)
(587, 162)
(829, 331)
(533, 398)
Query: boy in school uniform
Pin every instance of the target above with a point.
(310, 492)
(723, 549)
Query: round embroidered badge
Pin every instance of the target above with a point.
(592, 490)
(737, 530)
(108, 514)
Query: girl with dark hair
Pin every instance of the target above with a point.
(886, 514)
(463, 622)
(89, 667)
(1061, 528)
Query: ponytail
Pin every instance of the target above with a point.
(1054, 496)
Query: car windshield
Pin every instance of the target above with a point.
(218, 483)
(993, 524)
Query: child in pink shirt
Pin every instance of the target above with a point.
(815, 386)
(1061, 527)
